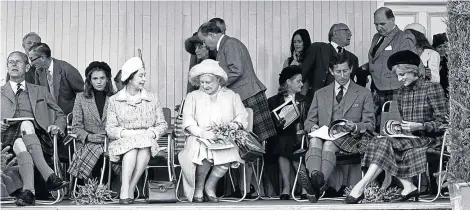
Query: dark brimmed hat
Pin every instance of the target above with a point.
(439, 39)
(288, 72)
(190, 43)
(102, 65)
(403, 57)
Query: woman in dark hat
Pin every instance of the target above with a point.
(423, 108)
(285, 143)
(199, 52)
(439, 42)
(89, 117)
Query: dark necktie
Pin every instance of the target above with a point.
(376, 47)
(18, 89)
(340, 49)
(339, 97)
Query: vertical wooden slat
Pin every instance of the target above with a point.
(138, 29)
(146, 41)
(74, 30)
(342, 11)
(227, 13)
(277, 42)
(153, 73)
(187, 32)
(162, 56)
(18, 20)
(203, 17)
(130, 31)
(244, 23)
(106, 33)
(3, 40)
(366, 31)
(170, 58)
(235, 28)
(26, 19)
(211, 9)
(57, 30)
(122, 33)
(358, 28)
(252, 32)
(352, 26)
(98, 44)
(301, 14)
(269, 69)
(114, 37)
(285, 34)
(260, 49)
(90, 32)
(66, 23)
(292, 18)
(194, 15)
(325, 26)
(317, 26)
(50, 10)
(42, 21)
(309, 20)
(82, 33)
(334, 10)
(34, 14)
(179, 68)
(219, 9)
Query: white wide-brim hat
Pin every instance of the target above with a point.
(131, 66)
(417, 27)
(207, 66)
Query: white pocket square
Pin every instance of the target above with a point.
(388, 48)
(355, 105)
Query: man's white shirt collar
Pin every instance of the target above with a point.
(220, 40)
(335, 46)
(14, 85)
(345, 87)
(51, 67)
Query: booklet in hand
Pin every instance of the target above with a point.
(216, 145)
(289, 111)
(14, 120)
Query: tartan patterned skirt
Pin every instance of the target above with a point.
(85, 159)
(400, 157)
(263, 125)
(353, 143)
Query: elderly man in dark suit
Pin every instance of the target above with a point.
(29, 40)
(61, 79)
(319, 55)
(29, 138)
(388, 40)
(342, 99)
(234, 58)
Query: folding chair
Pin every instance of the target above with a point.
(72, 148)
(166, 158)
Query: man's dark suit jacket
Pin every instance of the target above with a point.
(315, 67)
(67, 83)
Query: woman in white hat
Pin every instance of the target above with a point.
(134, 123)
(426, 52)
(212, 104)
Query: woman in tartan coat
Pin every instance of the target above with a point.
(423, 108)
(89, 117)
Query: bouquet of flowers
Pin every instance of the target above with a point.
(225, 136)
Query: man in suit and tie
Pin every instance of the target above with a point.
(59, 77)
(315, 66)
(388, 40)
(342, 99)
(29, 40)
(234, 58)
(29, 138)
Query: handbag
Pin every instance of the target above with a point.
(299, 127)
(249, 147)
(389, 112)
(162, 191)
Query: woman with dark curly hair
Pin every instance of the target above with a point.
(89, 117)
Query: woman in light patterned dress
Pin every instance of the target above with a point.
(134, 123)
(212, 104)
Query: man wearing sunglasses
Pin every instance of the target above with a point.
(61, 79)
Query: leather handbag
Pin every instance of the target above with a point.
(162, 191)
(389, 112)
(249, 147)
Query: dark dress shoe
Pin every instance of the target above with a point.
(351, 200)
(131, 201)
(318, 180)
(304, 181)
(410, 195)
(312, 198)
(303, 196)
(125, 201)
(284, 197)
(25, 198)
(55, 183)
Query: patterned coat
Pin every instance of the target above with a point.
(423, 102)
(87, 120)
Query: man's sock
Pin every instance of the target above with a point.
(328, 163)
(34, 148)
(25, 167)
(313, 159)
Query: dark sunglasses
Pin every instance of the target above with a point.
(32, 60)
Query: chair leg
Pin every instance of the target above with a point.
(244, 188)
(295, 183)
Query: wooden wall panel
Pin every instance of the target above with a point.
(112, 31)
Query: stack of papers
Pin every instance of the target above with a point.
(322, 133)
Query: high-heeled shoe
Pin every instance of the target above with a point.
(410, 195)
(352, 200)
(131, 201)
(198, 199)
(284, 197)
(124, 201)
(211, 199)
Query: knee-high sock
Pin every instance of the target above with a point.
(313, 159)
(217, 172)
(328, 163)
(25, 167)
(201, 174)
(34, 148)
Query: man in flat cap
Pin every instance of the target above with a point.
(423, 108)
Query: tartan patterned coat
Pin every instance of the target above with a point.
(87, 120)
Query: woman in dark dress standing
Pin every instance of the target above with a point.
(285, 143)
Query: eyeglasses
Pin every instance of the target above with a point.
(32, 60)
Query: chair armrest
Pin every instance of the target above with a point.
(169, 131)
